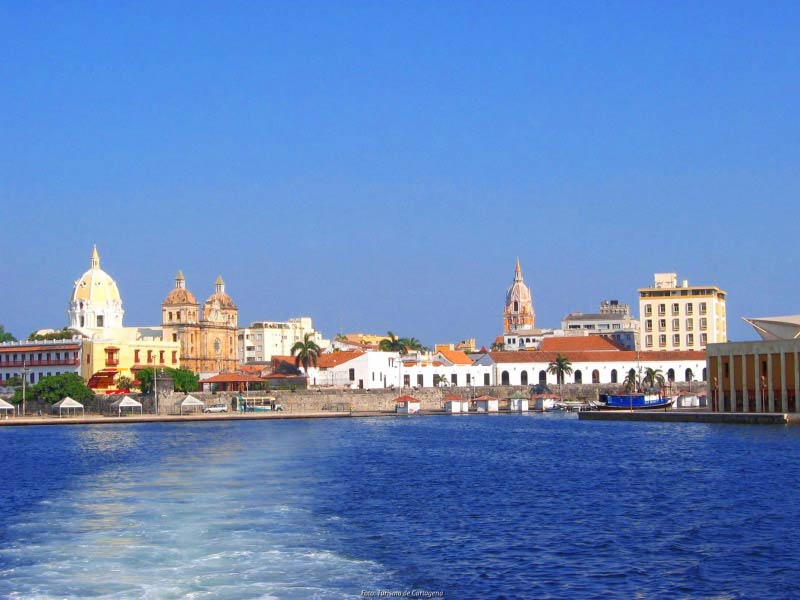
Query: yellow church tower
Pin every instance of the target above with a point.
(518, 313)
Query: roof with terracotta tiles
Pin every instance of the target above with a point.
(334, 359)
(578, 343)
(403, 399)
(457, 357)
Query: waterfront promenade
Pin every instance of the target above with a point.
(673, 416)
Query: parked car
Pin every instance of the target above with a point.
(214, 408)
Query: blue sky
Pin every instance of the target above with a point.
(380, 165)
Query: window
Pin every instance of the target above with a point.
(352, 374)
(614, 376)
(689, 324)
(689, 308)
(676, 309)
(170, 315)
(419, 380)
(676, 339)
(454, 379)
(648, 309)
(676, 324)
(469, 379)
(662, 309)
(648, 341)
(662, 340)
(595, 376)
(99, 320)
(648, 325)
(690, 339)
(702, 308)
(662, 324)
(161, 356)
(174, 357)
(703, 339)
(703, 323)
(486, 379)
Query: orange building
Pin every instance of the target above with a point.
(518, 313)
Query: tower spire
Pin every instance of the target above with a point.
(518, 272)
(95, 258)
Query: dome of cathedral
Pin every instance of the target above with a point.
(220, 296)
(179, 294)
(95, 285)
(518, 290)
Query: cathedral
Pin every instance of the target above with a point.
(518, 314)
(207, 336)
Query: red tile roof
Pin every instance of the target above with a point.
(578, 343)
(457, 357)
(454, 397)
(232, 378)
(334, 359)
(403, 399)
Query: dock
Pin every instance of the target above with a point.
(689, 416)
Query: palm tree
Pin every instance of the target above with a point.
(630, 382)
(653, 377)
(306, 353)
(496, 346)
(413, 343)
(560, 367)
(392, 344)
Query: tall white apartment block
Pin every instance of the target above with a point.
(262, 340)
(681, 317)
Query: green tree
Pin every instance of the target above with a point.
(57, 387)
(5, 336)
(560, 367)
(306, 353)
(185, 380)
(653, 378)
(414, 344)
(123, 382)
(392, 344)
(62, 334)
(631, 382)
(145, 378)
(496, 346)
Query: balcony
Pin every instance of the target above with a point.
(42, 363)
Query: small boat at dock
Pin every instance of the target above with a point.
(633, 402)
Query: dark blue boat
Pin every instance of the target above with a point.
(632, 402)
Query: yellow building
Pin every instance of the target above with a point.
(207, 338)
(108, 349)
(680, 317)
(126, 352)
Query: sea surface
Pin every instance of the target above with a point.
(460, 507)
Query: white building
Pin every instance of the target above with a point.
(530, 367)
(262, 340)
(356, 370)
(674, 317)
(36, 360)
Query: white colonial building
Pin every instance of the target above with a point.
(531, 367)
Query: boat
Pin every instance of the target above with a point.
(633, 402)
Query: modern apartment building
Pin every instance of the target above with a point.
(264, 339)
(681, 317)
(613, 321)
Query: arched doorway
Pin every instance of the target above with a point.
(578, 377)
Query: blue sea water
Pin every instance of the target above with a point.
(506, 506)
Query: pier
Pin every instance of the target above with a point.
(678, 416)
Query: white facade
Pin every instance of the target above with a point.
(407, 407)
(518, 404)
(680, 317)
(368, 371)
(264, 339)
(36, 360)
(488, 405)
(530, 368)
(613, 321)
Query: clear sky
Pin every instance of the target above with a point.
(381, 165)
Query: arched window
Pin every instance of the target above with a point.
(689, 376)
(578, 377)
(595, 376)
(671, 375)
(614, 376)
(504, 380)
(523, 379)
(516, 306)
(705, 375)
(543, 377)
